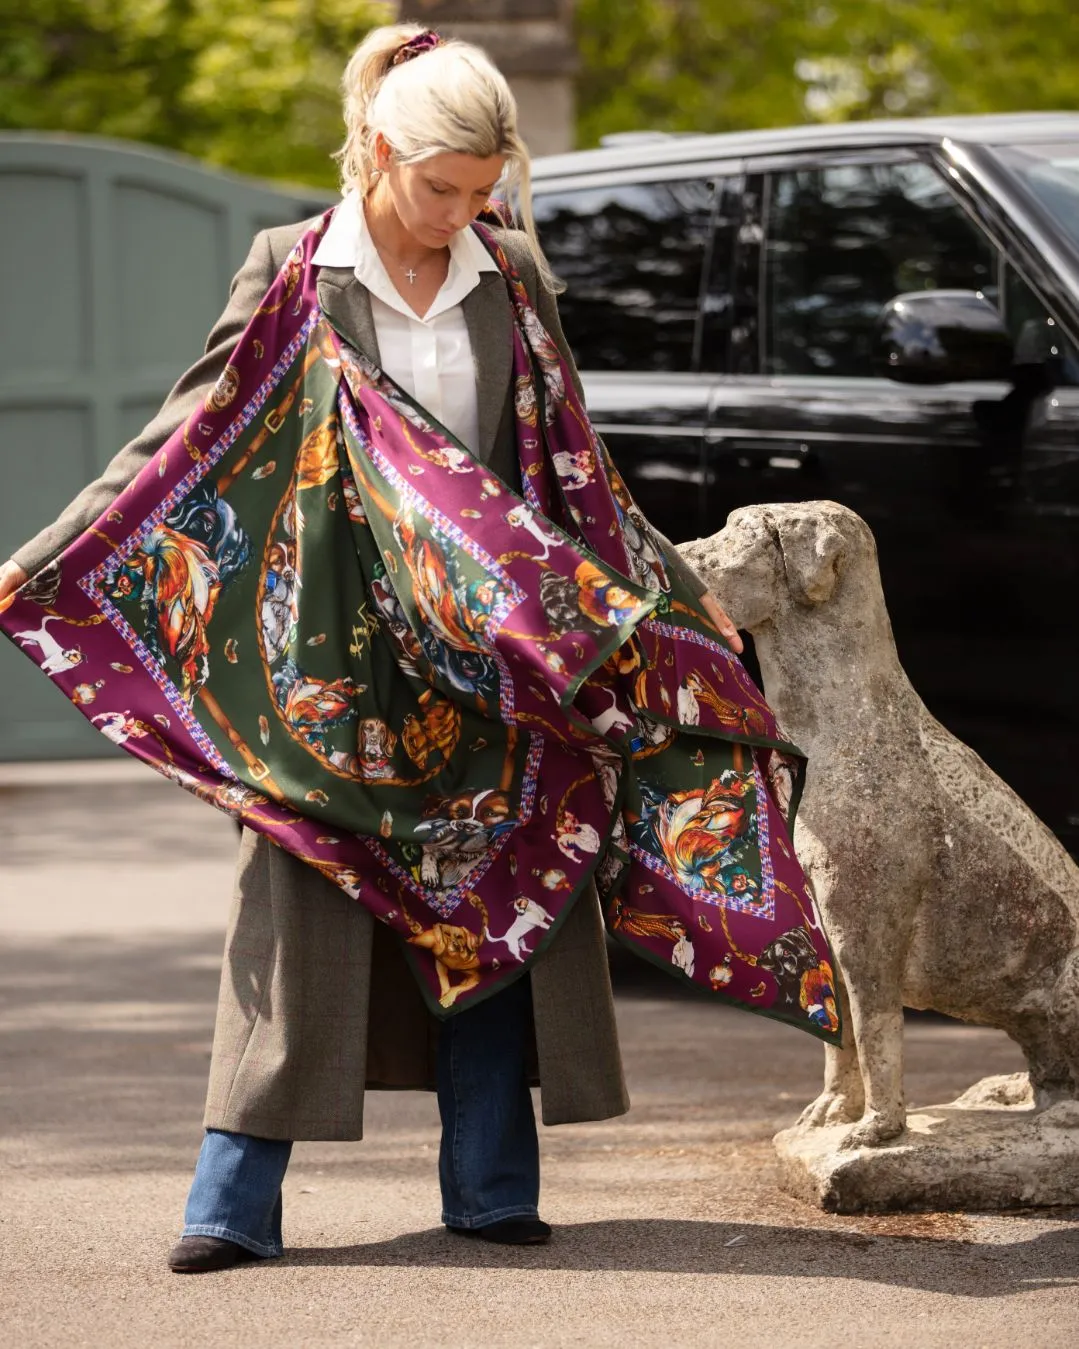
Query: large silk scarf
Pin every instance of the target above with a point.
(317, 610)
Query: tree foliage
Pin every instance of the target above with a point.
(248, 86)
(717, 65)
(252, 84)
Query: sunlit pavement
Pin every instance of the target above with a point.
(669, 1227)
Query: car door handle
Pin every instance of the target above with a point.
(790, 455)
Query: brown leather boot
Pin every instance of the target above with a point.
(199, 1255)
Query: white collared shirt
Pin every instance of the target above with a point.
(430, 357)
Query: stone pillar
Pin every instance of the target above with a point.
(531, 42)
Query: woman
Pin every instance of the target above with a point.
(316, 998)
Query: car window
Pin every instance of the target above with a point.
(1051, 173)
(841, 241)
(719, 319)
(1036, 334)
(631, 256)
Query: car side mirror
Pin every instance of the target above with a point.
(937, 336)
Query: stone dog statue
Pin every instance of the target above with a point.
(938, 887)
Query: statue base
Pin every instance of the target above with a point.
(981, 1152)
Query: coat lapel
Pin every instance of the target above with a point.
(347, 305)
(346, 302)
(490, 331)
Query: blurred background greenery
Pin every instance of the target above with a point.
(253, 86)
(721, 65)
(249, 85)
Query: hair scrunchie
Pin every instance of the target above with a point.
(426, 41)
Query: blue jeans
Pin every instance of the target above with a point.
(488, 1162)
(236, 1193)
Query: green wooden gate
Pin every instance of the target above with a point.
(115, 260)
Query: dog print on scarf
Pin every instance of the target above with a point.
(457, 831)
(802, 978)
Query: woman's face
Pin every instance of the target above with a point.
(438, 196)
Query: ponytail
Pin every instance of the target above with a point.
(368, 66)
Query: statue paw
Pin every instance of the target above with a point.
(831, 1107)
(843, 1109)
(873, 1130)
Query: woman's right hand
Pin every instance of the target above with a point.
(12, 577)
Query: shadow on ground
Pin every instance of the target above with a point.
(93, 1028)
(686, 1247)
(103, 1039)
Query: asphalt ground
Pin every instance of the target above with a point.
(670, 1228)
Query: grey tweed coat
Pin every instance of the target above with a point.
(316, 1001)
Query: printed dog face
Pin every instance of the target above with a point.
(457, 830)
(559, 599)
(788, 958)
(467, 816)
(376, 740)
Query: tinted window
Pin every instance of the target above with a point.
(720, 317)
(1051, 173)
(1036, 335)
(631, 257)
(842, 241)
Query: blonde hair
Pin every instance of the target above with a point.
(449, 99)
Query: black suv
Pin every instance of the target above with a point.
(733, 304)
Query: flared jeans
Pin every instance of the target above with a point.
(488, 1164)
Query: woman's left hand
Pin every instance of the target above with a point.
(722, 621)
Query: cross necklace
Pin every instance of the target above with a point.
(410, 271)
